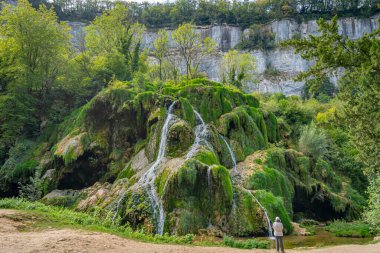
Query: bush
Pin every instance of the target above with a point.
(349, 229)
(313, 141)
(257, 38)
(248, 244)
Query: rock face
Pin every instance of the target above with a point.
(284, 63)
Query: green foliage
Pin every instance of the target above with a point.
(203, 12)
(313, 141)
(349, 229)
(319, 88)
(237, 68)
(257, 38)
(358, 86)
(373, 210)
(161, 48)
(114, 45)
(192, 48)
(246, 244)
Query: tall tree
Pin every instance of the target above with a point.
(192, 48)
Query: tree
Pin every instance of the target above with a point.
(161, 48)
(319, 88)
(114, 44)
(237, 68)
(359, 87)
(34, 50)
(192, 48)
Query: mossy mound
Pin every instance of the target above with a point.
(320, 193)
(115, 140)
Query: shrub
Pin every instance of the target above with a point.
(349, 229)
(257, 38)
(313, 141)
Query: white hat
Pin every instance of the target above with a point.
(278, 219)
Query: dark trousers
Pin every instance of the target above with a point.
(279, 244)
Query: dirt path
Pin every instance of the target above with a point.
(69, 240)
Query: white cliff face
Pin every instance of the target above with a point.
(275, 68)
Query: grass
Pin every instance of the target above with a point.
(247, 244)
(349, 229)
(60, 217)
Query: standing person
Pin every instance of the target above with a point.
(278, 227)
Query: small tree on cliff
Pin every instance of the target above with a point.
(161, 48)
(192, 48)
(237, 68)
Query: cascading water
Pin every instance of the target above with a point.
(209, 183)
(149, 177)
(201, 133)
(270, 233)
(122, 196)
(231, 153)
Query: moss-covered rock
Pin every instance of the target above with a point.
(180, 138)
(275, 182)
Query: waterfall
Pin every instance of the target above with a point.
(149, 177)
(201, 134)
(122, 196)
(231, 153)
(270, 233)
(209, 183)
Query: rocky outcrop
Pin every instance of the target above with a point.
(275, 68)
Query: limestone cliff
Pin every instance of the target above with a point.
(284, 62)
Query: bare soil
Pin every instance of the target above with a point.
(16, 236)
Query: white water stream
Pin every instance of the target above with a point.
(270, 233)
(201, 134)
(149, 177)
(231, 152)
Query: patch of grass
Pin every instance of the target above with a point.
(62, 217)
(349, 229)
(247, 244)
(59, 217)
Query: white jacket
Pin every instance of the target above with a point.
(277, 227)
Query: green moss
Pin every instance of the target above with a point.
(207, 157)
(187, 111)
(127, 172)
(322, 171)
(275, 208)
(224, 188)
(242, 131)
(187, 175)
(275, 182)
(245, 219)
(161, 181)
(272, 127)
(180, 138)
